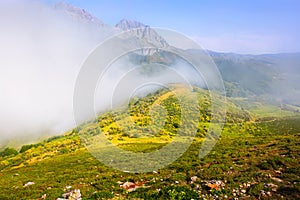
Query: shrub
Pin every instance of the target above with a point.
(8, 152)
(265, 166)
(255, 190)
(28, 146)
(271, 163)
(54, 138)
(275, 162)
(177, 192)
(64, 151)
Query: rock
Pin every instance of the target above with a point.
(44, 196)
(73, 195)
(66, 195)
(68, 187)
(243, 191)
(215, 184)
(276, 179)
(130, 186)
(262, 193)
(120, 183)
(272, 186)
(176, 182)
(194, 178)
(28, 184)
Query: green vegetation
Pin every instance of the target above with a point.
(28, 146)
(256, 157)
(8, 152)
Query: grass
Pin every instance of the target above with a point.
(251, 156)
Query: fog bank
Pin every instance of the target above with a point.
(42, 49)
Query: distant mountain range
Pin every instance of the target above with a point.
(271, 77)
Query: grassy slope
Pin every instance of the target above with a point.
(250, 151)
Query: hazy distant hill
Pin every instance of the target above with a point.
(273, 75)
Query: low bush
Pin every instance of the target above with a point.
(8, 152)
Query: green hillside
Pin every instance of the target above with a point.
(256, 157)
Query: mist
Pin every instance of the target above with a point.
(124, 80)
(42, 49)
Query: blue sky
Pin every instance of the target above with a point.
(248, 26)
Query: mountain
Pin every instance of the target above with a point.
(125, 24)
(256, 157)
(271, 76)
(79, 14)
(61, 165)
(247, 74)
(143, 32)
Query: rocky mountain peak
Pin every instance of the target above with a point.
(125, 24)
(142, 31)
(78, 13)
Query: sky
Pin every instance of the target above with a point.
(249, 26)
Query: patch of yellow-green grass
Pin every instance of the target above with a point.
(263, 111)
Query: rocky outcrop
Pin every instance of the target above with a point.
(79, 14)
(143, 32)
